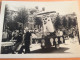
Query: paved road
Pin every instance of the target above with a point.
(70, 46)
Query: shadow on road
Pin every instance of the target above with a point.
(51, 50)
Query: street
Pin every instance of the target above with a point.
(67, 47)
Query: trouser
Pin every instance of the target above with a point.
(21, 50)
(27, 48)
(16, 46)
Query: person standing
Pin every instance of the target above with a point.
(5, 36)
(27, 41)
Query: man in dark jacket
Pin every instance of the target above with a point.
(27, 41)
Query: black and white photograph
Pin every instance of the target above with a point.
(40, 28)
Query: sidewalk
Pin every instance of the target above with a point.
(74, 47)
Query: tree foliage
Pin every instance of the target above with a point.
(12, 25)
(57, 23)
(22, 16)
(70, 23)
(65, 22)
(74, 21)
(38, 21)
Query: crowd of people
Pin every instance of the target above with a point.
(21, 39)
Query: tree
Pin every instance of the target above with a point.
(70, 23)
(36, 7)
(38, 21)
(64, 22)
(75, 22)
(22, 16)
(43, 9)
(12, 25)
(33, 10)
(57, 23)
